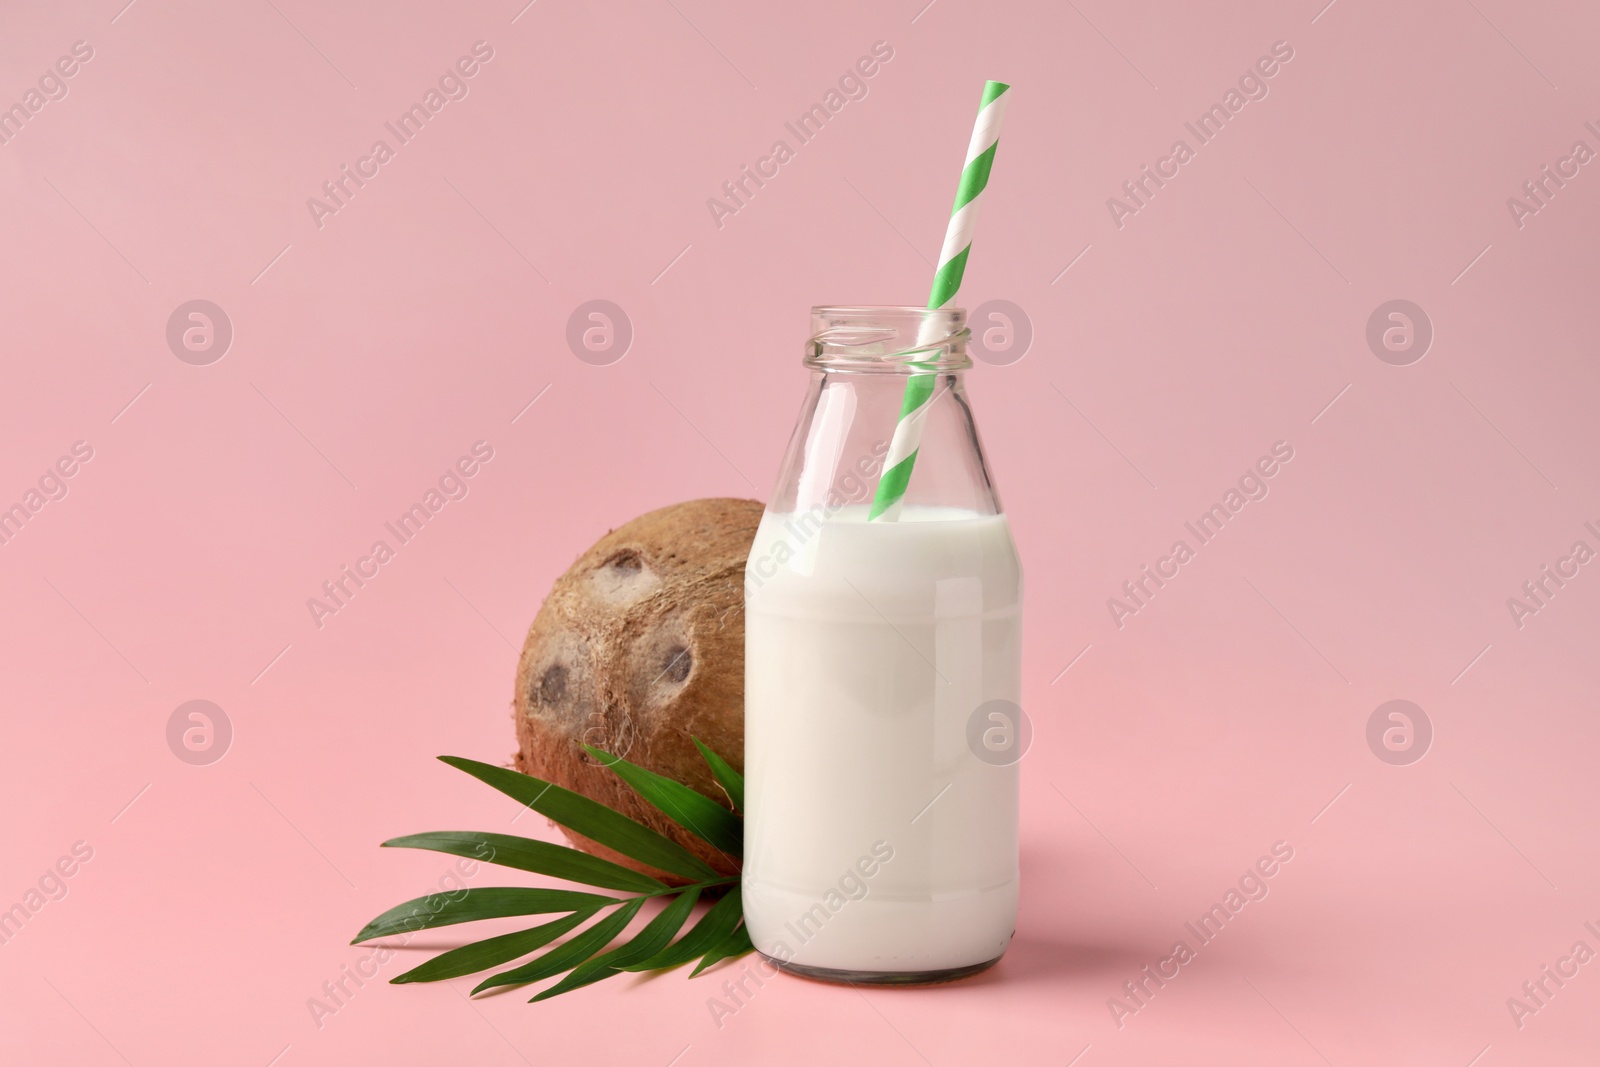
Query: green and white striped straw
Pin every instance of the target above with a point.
(907, 438)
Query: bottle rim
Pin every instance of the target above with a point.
(888, 338)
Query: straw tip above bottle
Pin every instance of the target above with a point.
(992, 90)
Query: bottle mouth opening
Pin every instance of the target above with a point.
(888, 338)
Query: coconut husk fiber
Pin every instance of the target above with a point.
(638, 649)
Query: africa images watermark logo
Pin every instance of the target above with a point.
(1538, 591)
(51, 86)
(1540, 990)
(48, 887)
(1251, 887)
(339, 591)
(199, 332)
(999, 732)
(1538, 191)
(1399, 732)
(199, 732)
(1399, 332)
(737, 192)
(1252, 85)
(51, 486)
(599, 332)
(1252, 486)
(1002, 333)
(853, 884)
(854, 485)
(338, 991)
(452, 85)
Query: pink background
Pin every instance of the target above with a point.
(428, 312)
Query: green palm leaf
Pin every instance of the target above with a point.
(569, 955)
(693, 811)
(712, 929)
(589, 818)
(652, 939)
(438, 909)
(469, 959)
(539, 857)
(731, 781)
(736, 943)
(588, 955)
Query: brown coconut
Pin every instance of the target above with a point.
(638, 649)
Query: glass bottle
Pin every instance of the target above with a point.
(882, 675)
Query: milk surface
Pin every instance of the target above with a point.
(874, 839)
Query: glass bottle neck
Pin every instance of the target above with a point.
(898, 341)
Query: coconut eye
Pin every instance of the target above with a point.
(552, 685)
(622, 578)
(679, 662)
(626, 563)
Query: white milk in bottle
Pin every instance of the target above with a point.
(880, 836)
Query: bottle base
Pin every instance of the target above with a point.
(894, 978)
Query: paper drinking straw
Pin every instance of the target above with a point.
(907, 437)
